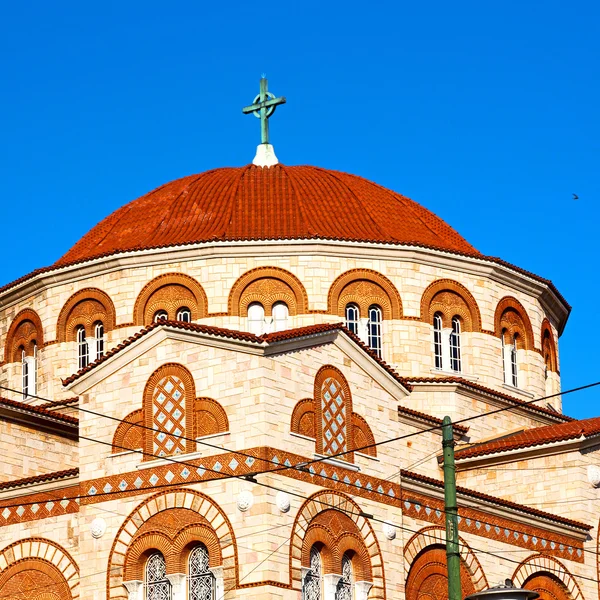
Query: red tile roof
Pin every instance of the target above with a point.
(531, 438)
(6, 485)
(255, 203)
(431, 419)
(495, 500)
(39, 410)
(469, 384)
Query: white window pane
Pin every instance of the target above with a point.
(280, 316)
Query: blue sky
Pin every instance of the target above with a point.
(485, 113)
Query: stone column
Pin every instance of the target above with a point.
(330, 582)
(363, 330)
(135, 589)
(92, 348)
(177, 585)
(219, 581)
(446, 362)
(362, 589)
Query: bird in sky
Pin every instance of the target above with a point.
(575, 197)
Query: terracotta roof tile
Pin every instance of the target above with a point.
(433, 420)
(466, 383)
(6, 485)
(498, 501)
(38, 410)
(531, 438)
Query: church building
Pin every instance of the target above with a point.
(233, 387)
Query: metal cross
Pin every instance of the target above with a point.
(263, 106)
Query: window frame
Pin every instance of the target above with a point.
(352, 323)
(374, 328)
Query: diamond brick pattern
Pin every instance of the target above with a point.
(334, 416)
(168, 416)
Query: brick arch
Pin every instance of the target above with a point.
(363, 436)
(201, 511)
(209, 417)
(167, 372)
(550, 576)
(548, 346)
(364, 287)
(329, 502)
(267, 285)
(435, 537)
(42, 564)
(85, 307)
(128, 434)
(25, 329)
(511, 315)
(325, 373)
(450, 298)
(170, 292)
(303, 418)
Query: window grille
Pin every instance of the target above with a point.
(343, 589)
(99, 335)
(333, 408)
(201, 580)
(352, 317)
(513, 363)
(256, 318)
(311, 587)
(280, 316)
(455, 360)
(375, 329)
(184, 314)
(437, 340)
(158, 587)
(160, 315)
(83, 353)
(168, 417)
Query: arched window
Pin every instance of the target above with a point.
(343, 590)
(184, 314)
(352, 317)
(99, 335)
(455, 361)
(201, 580)
(375, 316)
(160, 315)
(256, 318)
(513, 362)
(311, 587)
(83, 352)
(158, 587)
(437, 340)
(280, 316)
(25, 372)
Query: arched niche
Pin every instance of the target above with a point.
(85, 308)
(450, 298)
(25, 332)
(512, 319)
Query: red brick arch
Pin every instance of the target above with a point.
(303, 418)
(548, 346)
(129, 435)
(512, 317)
(450, 298)
(85, 308)
(267, 285)
(364, 287)
(25, 329)
(547, 576)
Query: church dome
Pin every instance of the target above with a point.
(275, 203)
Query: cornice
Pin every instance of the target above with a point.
(40, 421)
(495, 269)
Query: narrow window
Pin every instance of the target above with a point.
(455, 361)
(168, 416)
(158, 587)
(99, 335)
(344, 587)
(311, 587)
(375, 329)
(160, 315)
(280, 316)
(256, 318)
(33, 371)
(513, 362)
(25, 373)
(201, 580)
(83, 353)
(437, 340)
(352, 316)
(335, 417)
(184, 314)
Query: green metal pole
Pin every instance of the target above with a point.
(452, 550)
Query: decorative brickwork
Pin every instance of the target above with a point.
(267, 285)
(547, 576)
(170, 292)
(511, 317)
(168, 411)
(38, 569)
(303, 418)
(450, 298)
(334, 522)
(85, 308)
(549, 347)
(364, 287)
(363, 436)
(128, 435)
(24, 332)
(209, 417)
(171, 522)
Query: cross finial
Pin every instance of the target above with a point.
(263, 107)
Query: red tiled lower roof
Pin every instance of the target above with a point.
(495, 500)
(530, 438)
(39, 410)
(39, 478)
(431, 419)
(466, 383)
